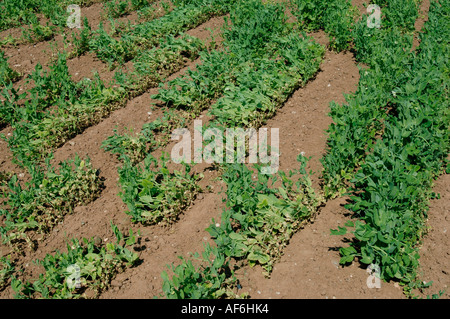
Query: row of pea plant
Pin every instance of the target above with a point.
(262, 61)
(391, 177)
(7, 74)
(358, 123)
(123, 44)
(262, 214)
(335, 17)
(38, 20)
(39, 129)
(83, 271)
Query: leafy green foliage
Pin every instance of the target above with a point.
(212, 279)
(360, 121)
(22, 12)
(50, 87)
(394, 183)
(399, 14)
(28, 14)
(119, 8)
(258, 68)
(152, 66)
(7, 269)
(153, 194)
(265, 83)
(147, 34)
(37, 133)
(6, 73)
(97, 263)
(335, 17)
(135, 148)
(81, 42)
(37, 33)
(25, 11)
(260, 220)
(80, 105)
(111, 50)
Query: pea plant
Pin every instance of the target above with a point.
(46, 198)
(153, 194)
(96, 264)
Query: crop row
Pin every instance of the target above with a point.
(30, 13)
(359, 123)
(50, 112)
(61, 15)
(39, 128)
(132, 39)
(404, 99)
(7, 74)
(265, 62)
(335, 17)
(254, 72)
(84, 271)
(44, 200)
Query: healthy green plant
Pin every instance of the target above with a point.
(266, 82)
(358, 123)
(22, 12)
(335, 17)
(50, 87)
(393, 185)
(400, 14)
(81, 42)
(259, 66)
(211, 279)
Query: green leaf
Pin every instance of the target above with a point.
(367, 260)
(346, 259)
(339, 231)
(259, 257)
(146, 199)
